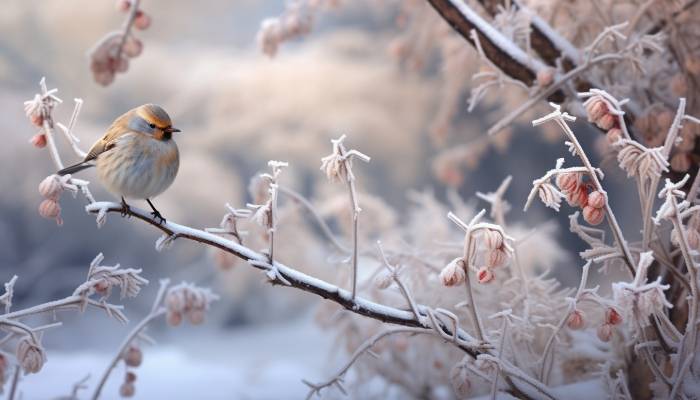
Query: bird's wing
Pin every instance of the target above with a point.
(108, 141)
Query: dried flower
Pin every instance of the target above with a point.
(569, 181)
(596, 199)
(605, 332)
(453, 273)
(133, 356)
(592, 215)
(189, 301)
(484, 275)
(30, 355)
(38, 140)
(612, 317)
(127, 389)
(575, 320)
(51, 188)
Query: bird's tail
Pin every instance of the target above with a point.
(74, 168)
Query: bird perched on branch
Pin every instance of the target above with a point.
(136, 158)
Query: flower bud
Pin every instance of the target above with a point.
(604, 332)
(568, 181)
(484, 275)
(612, 317)
(453, 273)
(596, 199)
(133, 356)
(575, 320)
(102, 287)
(127, 389)
(593, 216)
(130, 377)
(38, 140)
(51, 187)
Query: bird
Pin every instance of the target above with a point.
(136, 158)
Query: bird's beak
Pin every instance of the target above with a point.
(171, 130)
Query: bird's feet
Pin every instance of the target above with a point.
(125, 208)
(157, 217)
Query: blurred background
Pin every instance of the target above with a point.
(238, 109)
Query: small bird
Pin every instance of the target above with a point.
(137, 156)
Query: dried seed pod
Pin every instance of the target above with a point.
(49, 209)
(142, 20)
(130, 377)
(575, 320)
(123, 5)
(51, 187)
(497, 257)
(38, 140)
(595, 109)
(133, 356)
(606, 122)
(132, 47)
(592, 215)
(493, 239)
(569, 181)
(596, 199)
(196, 317)
(578, 197)
(174, 318)
(127, 389)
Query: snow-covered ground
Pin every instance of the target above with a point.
(265, 362)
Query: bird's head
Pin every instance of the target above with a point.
(152, 120)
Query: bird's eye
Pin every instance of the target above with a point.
(153, 126)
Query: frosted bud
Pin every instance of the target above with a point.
(575, 320)
(577, 197)
(497, 257)
(142, 21)
(484, 275)
(30, 355)
(102, 287)
(38, 140)
(130, 377)
(592, 215)
(596, 199)
(173, 318)
(614, 135)
(133, 356)
(493, 239)
(127, 389)
(568, 181)
(132, 47)
(545, 77)
(606, 122)
(604, 332)
(453, 273)
(680, 162)
(612, 317)
(196, 317)
(383, 280)
(51, 187)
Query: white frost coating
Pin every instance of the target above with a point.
(497, 38)
(567, 49)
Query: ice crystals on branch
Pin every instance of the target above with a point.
(102, 279)
(647, 298)
(338, 165)
(672, 193)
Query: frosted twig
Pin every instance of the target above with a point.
(338, 166)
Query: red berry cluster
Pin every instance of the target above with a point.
(582, 194)
(599, 112)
